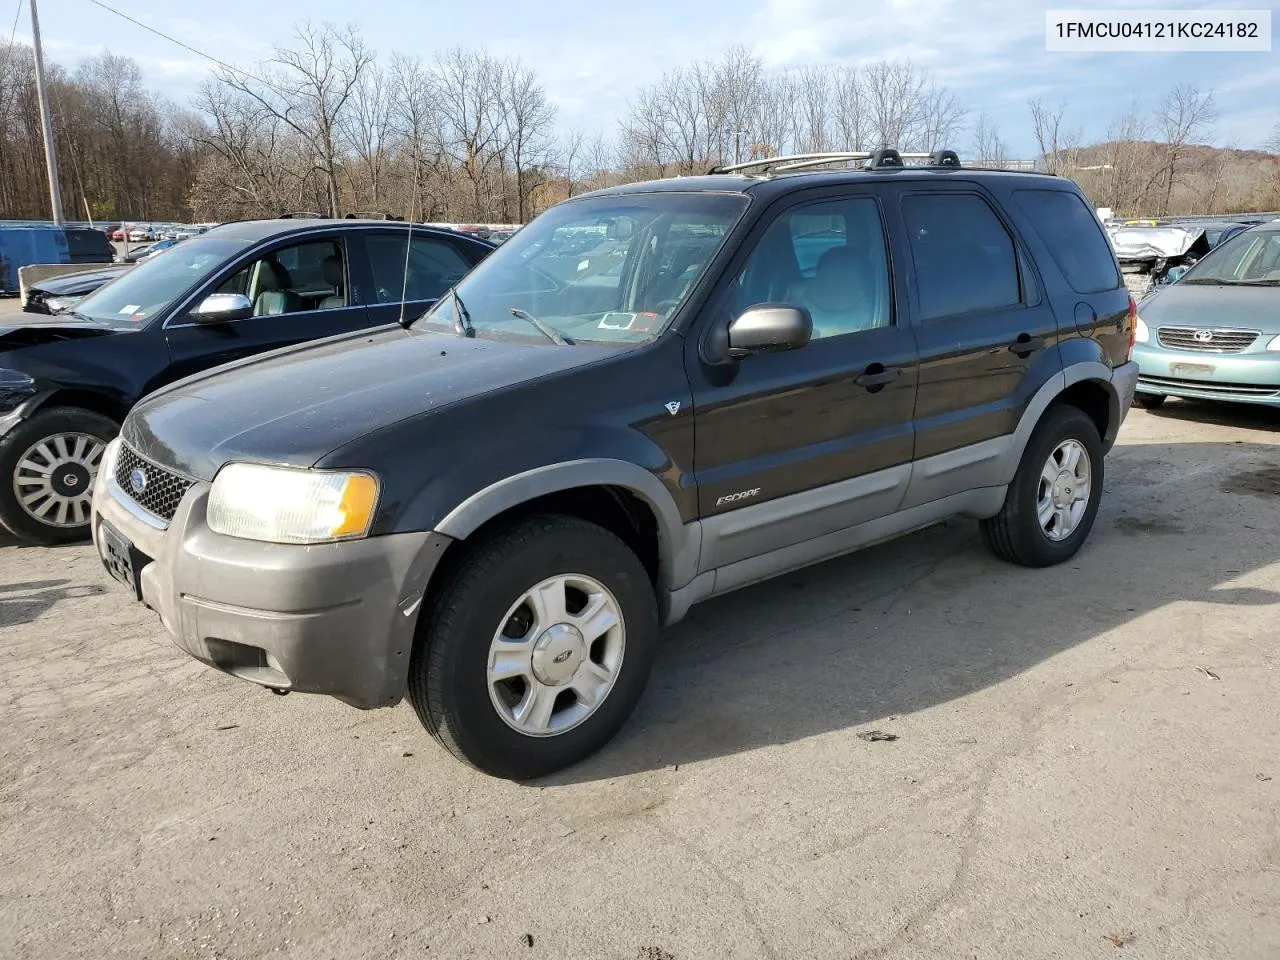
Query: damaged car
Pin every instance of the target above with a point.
(60, 294)
(1151, 256)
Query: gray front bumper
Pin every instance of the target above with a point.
(335, 618)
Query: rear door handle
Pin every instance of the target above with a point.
(876, 376)
(1026, 345)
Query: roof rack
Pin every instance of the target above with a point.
(875, 160)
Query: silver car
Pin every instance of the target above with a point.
(1215, 333)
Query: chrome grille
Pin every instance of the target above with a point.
(162, 490)
(1206, 339)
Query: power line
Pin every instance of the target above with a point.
(14, 32)
(158, 33)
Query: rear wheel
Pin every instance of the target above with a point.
(537, 649)
(48, 464)
(1149, 401)
(1053, 499)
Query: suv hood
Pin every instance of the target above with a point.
(292, 407)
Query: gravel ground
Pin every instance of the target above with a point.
(1088, 758)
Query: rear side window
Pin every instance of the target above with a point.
(434, 266)
(964, 257)
(1071, 232)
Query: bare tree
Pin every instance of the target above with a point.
(570, 155)
(988, 147)
(367, 128)
(850, 108)
(1184, 115)
(1125, 159)
(527, 118)
(1057, 142)
(308, 88)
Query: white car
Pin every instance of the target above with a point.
(141, 233)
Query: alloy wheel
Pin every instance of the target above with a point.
(556, 656)
(1062, 496)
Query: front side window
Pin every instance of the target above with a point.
(963, 255)
(827, 257)
(148, 289)
(294, 279)
(609, 269)
(434, 266)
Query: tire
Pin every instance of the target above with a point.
(1016, 534)
(451, 685)
(66, 443)
(1149, 401)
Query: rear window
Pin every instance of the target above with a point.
(1075, 239)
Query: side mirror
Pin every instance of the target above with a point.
(769, 327)
(1174, 274)
(222, 308)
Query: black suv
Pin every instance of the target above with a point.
(649, 396)
(66, 383)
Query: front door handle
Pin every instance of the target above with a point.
(876, 376)
(1026, 345)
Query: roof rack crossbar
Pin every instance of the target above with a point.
(819, 161)
(874, 160)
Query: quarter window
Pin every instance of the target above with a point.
(828, 257)
(964, 257)
(1074, 238)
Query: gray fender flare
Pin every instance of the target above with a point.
(1050, 391)
(678, 543)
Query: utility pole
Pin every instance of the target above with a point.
(46, 119)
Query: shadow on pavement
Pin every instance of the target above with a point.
(933, 617)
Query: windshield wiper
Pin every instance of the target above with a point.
(461, 318)
(552, 334)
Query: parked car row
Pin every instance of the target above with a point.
(495, 506)
(150, 232)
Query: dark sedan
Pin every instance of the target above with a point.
(60, 294)
(67, 381)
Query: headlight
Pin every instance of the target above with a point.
(1273, 343)
(15, 387)
(107, 465)
(1142, 334)
(283, 505)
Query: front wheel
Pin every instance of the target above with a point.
(1053, 499)
(47, 467)
(537, 648)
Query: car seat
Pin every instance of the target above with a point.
(331, 270)
(274, 293)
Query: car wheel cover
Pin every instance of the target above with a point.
(556, 655)
(1063, 490)
(53, 481)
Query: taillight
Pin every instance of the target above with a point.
(1133, 324)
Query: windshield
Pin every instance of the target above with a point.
(137, 296)
(610, 269)
(1248, 258)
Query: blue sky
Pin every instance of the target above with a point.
(592, 54)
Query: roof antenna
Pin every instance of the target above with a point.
(408, 240)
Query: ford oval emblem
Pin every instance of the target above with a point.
(137, 480)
